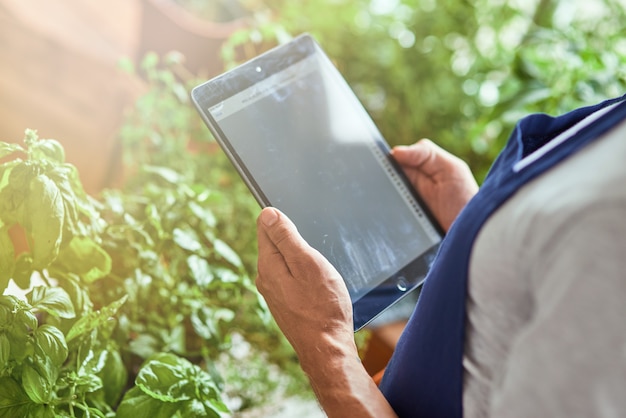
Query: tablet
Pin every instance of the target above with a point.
(303, 143)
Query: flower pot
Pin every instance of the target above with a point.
(167, 26)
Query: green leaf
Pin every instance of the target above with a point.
(20, 347)
(13, 400)
(207, 392)
(19, 324)
(30, 137)
(203, 324)
(226, 275)
(47, 149)
(144, 345)
(205, 320)
(127, 65)
(78, 293)
(8, 149)
(174, 380)
(205, 214)
(165, 173)
(199, 409)
(43, 411)
(44, 220)
(149, 61)
(95, 319)
(84, 258)
(12, 193)
(88, 383)
(25, 317)
(226, 252)
(5, 349)
(114, 377)
(9, 301)
(53, 300)
(5, 174)
(75, 202)
(50, 342)
(93, 362)
(187, 239)
(20, 343)
(153, 216)
(174, 58)
(165, 378)
(6, 314)
(7, 257)
(181, 92)
(46, 369)
(35, 385)
(200, 270)
(138, 404)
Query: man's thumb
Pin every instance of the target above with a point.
(268, 216)
(280, 230)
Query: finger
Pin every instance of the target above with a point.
(281, 247)
(300, 259)
(413, 155)
(271, 262)
(424, 155)
(266, 246)
(281, 232)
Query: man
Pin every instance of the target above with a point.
(522, 312)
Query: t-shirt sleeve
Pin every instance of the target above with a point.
(570, 358)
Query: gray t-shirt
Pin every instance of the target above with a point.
(546, 305)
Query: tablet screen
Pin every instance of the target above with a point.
(305, 145)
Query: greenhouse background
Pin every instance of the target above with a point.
(145, 303)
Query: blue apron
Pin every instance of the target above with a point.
(425, 374)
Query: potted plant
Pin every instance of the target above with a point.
(137, 302)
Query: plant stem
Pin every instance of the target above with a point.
(44, 277)
(72, 398)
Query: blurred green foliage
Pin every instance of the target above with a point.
(194, 213)
(460, 72)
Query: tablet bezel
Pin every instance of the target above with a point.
(220, 88)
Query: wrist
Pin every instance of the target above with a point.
(330, 349)
(339, 380)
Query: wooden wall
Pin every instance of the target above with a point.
(59, 69)
(59, 75)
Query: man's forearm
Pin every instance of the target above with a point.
(311, 305)
(341, 383)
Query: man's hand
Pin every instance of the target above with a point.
(305, 293)
(444, 181)
(311, 305)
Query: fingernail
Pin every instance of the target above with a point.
(269, 217)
